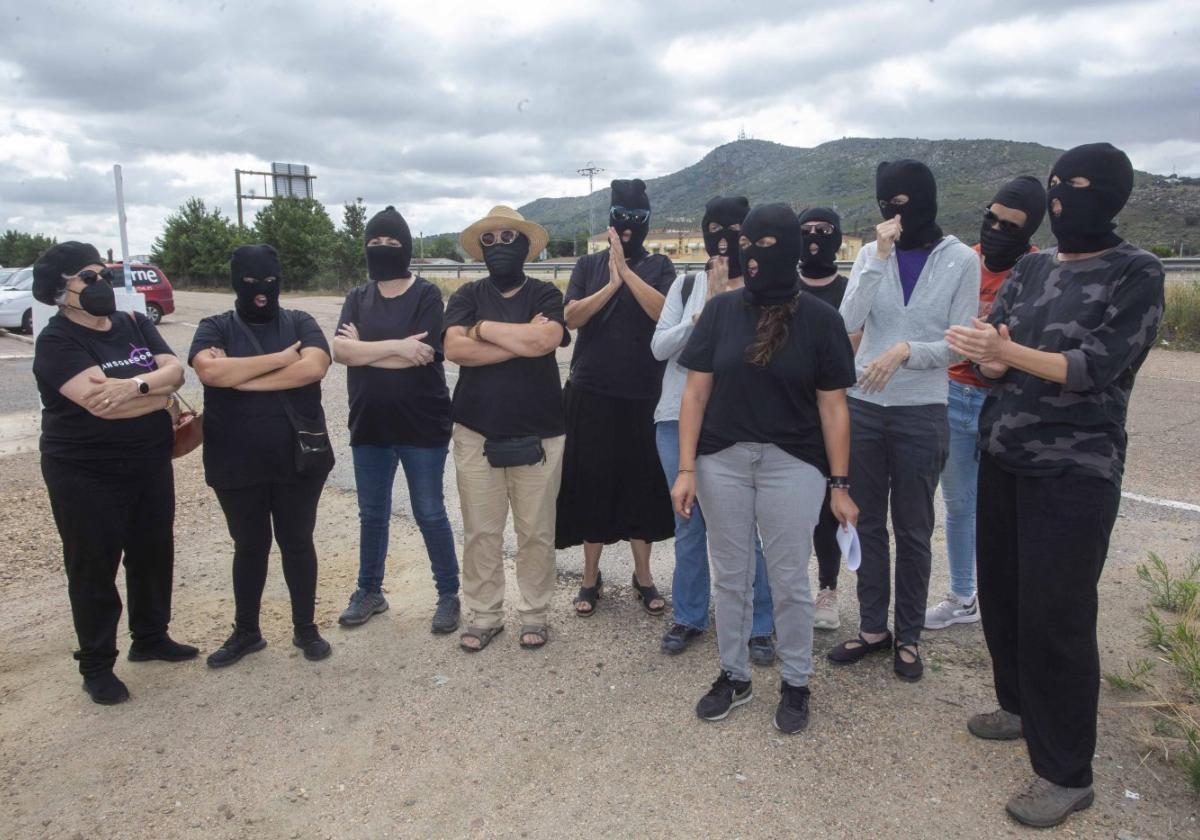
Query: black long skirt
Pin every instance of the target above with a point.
(613, 486)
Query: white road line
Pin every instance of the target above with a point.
(1167, 503)
(6, 357)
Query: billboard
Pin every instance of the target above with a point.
(291, 180)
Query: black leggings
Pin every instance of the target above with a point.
(105, 510)
(250, 513)
(829, 553)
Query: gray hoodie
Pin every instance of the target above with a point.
(946, 293)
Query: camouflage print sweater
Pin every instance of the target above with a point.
(1103, 314)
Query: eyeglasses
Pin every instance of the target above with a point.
(504, 237)
(990, 218)
(625, 214)
(822, 228)
(89, 277)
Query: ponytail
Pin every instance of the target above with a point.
(772, 331)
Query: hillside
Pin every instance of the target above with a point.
(841, 174)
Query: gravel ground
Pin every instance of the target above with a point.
(399, 734)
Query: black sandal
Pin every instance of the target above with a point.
(589, 595)
(483, 635)
(539, 631)
(844, 654)
(646, 594)
(910, 671)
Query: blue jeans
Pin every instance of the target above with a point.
(959, 481)
(374, 473)
(691, 583)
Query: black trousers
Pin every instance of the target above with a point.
(106, 511)
(829, 554)
(1040, 547)
(896, 459)
(251, 514)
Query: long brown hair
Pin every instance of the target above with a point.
(772, 331)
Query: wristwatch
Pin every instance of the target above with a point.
(143, 386)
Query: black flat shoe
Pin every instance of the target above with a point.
(910, 671)
(853, 650)
(105, 688)
(311, 644)
(165, 649)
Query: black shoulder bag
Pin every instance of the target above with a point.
(314, 454)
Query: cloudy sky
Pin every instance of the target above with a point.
(447, 107)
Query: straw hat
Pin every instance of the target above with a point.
(503, 218)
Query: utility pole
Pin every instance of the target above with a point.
(590, 172)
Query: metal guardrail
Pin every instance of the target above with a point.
(561, 270)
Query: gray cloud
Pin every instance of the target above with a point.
(451, 110)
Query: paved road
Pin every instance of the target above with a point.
(1164, 417)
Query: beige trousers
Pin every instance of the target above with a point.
(486, 493)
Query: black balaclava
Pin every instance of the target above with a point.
(66, 259)
(387, 262)
(258, 262)
(918, 218)
(725, 211)
(631, 195)
(1001, 248)
(774, 279)
(1086, 222)
(824, 262)
(506, 263)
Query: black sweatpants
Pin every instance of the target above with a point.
(251, 513)
(896, 459)
(1040, 547)
(106, 511)
(829, 553)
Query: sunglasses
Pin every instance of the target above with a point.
(823, 228)
(504, 237)
(990, 218)
(626, 214)
(89, 277)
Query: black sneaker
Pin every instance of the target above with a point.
(235, 647)
(447, 615)
(677, 639)
(762, 650)
(725, 693)
(309, 640)
(105, 688)
(164, 648)
(791, 716)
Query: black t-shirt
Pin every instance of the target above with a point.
(65, 349)
(612, 351)
(406, 406)
(521, 396)
(248, 438)
(776, 404)
(831, 294)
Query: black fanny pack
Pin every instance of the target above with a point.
(514, 452)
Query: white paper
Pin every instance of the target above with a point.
(847, 538)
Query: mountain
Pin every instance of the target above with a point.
(841, 174)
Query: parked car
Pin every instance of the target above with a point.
(152, 282)
(16, 301)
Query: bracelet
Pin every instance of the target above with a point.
(691, 471)
(479, 330)
(839, 482)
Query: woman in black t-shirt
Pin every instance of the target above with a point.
(257, 362)
(762, 422)
(502, 331)
(106, 380)
(389, 337)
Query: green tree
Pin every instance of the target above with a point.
(196, 244)
(443, 247)
(303, 234)
(350, 258)
(19, 249)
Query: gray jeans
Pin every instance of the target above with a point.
(758, 484)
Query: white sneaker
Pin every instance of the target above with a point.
(953, 610)
(825, 614)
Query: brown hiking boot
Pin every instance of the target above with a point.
(995, 726)
(1045, 804)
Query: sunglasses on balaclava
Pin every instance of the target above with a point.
(821, 239)
(629, 212)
